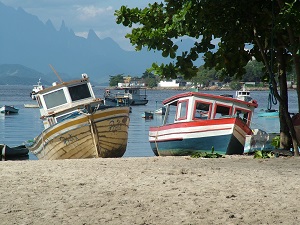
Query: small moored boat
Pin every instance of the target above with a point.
(36, 88)
(243, 94)
(202, 122)
(147, 115)
(31, 106)
(9, 109)
(268, 113)
(129, 96)
(13, 153)
(160, 111)
(78, 125)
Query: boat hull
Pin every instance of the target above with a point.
(13, 153)
(268, 114)
(138, 102)
(102, 134)
(110, 101)
(6, 109)
(225, 136)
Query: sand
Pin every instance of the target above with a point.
(151, 190)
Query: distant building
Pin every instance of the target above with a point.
(175, 83)
(132, 84)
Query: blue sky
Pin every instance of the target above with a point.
(82, 15)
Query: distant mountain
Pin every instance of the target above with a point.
(25, 40)
(15, 74)
(18, 74)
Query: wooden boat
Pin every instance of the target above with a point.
(129, 96)
(202, 122)
(147, 115)
(78, 125)
(36, 88)
(9, 109)
(13, 153)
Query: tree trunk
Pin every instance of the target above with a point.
(294, 43)
(286, 115)
(285, 137)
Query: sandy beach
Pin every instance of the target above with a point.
(151, 190)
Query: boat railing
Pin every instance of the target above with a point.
(121, 95)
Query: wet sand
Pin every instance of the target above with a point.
(151, 190)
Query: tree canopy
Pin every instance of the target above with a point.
(228, 33)
(114, 80)
(244, 29)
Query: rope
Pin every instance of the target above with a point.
(271, 99)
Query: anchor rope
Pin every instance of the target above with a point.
(271, 98)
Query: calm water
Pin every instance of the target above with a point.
(16, 129)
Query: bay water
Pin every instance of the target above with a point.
(18, 128)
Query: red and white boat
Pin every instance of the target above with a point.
(202, 122)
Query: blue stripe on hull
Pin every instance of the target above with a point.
(226, 144)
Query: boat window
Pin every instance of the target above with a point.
(182, 110)
(202, 110)
(51, 121)
(55, 98)
(222, 111)
(242, 114)
(38, 101)
(79, 92)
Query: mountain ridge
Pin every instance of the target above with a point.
(27, 41)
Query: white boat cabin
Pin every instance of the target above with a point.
(38, 87)
(193, 106)
(61, 100)
(243, 94)
(135, 93)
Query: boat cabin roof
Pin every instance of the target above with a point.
(65, 96)
(56, 86)
(173, 100)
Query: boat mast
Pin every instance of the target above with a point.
(61, 81)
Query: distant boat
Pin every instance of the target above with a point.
(115, 99)
(13, 153)
(8, 109)
(147, 115)
(160, 111)
(130, 96)
(269, 113)
(78, 125)
(36, 88)
(243, 94)
(31, 106)
(202, 122)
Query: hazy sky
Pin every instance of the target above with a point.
(82, 15)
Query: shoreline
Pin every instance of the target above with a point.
(151, 190)
(212, 88)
